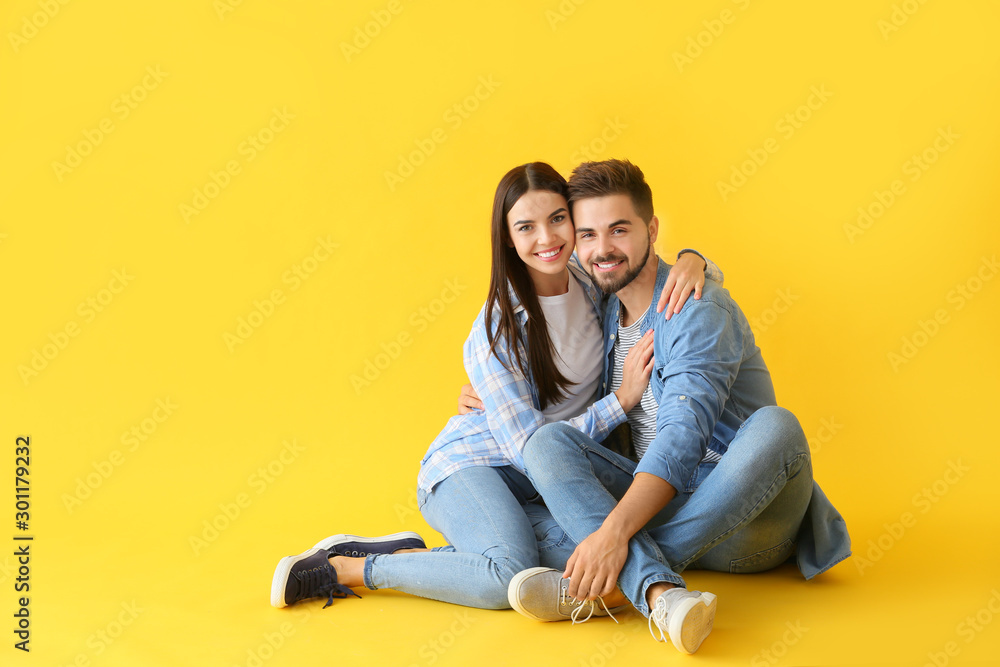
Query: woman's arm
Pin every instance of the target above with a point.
(686, 275)
(508, 398)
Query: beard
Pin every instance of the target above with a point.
(612, 284)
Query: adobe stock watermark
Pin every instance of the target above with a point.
(970, 627)
(274, 641)
(593, 151)
(713, 29)
(419, 321)
(783, 300)
(121, 108)
(406, 509)
(88, 310)
(102, 639)
(828, 429)
(249, 148)
(7, 568)
(914, 167)
(131, 440)
(958, 298)
(230, 511)
(454, 117)
(779, 649)
(923, 501)
(605, 651)
(30, 25)
(901, 13)
(562, 12)
(431, 651)
(294, 277)
(224, 7)
(790, 123)
(366, 34)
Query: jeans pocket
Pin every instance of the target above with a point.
(767, 559)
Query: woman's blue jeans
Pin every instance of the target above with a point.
(494, 529)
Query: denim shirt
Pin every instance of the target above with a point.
(708, 378)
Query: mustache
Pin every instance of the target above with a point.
(608, 258)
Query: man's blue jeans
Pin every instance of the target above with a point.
(494, 531)
(739, 515)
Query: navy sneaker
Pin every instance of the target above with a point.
(308, 575)
(359, 547)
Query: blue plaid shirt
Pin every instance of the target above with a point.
(496, 435)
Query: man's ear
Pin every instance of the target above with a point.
(654, 229)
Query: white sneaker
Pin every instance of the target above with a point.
(541, 594)
(685, 616)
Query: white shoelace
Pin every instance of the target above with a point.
(588, 604)
(659, 616)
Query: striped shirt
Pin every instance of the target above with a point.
(642, 417)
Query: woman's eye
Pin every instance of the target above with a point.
(524, 228)
(559, 218)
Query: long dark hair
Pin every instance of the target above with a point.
(508, 270)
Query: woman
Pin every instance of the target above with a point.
(535, 355)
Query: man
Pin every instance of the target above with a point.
(721, 477)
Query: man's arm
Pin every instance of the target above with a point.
(702, 350)
(594, 566)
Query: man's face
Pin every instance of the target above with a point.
(612, 241)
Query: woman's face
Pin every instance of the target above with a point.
(542, 233)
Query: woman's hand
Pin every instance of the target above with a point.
(687, 275)
(468, 400)
(635, 374)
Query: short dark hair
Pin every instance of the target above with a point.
(612, 177)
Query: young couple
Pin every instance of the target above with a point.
(603, 448)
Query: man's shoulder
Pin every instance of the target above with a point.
(714, 308)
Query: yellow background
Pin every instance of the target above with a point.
(830, 304)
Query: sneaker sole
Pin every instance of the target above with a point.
(691, 622)
(280, 580)
(334, 540)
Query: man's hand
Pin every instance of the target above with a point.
(687, 275)
(594, 566)
(468, 400)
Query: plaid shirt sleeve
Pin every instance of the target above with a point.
(511, 402)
